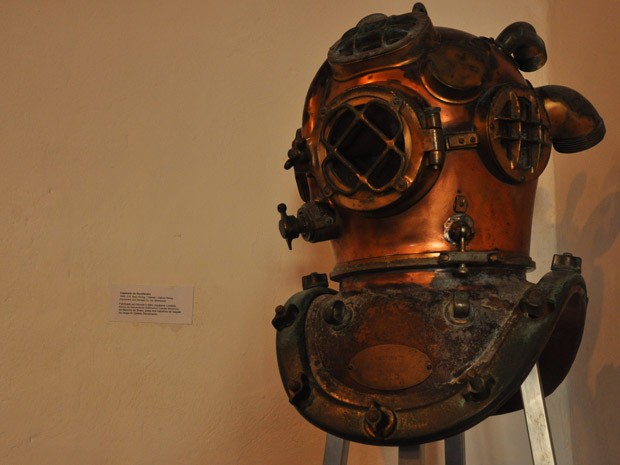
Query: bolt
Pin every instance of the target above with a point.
(314, 280)
(460, 204)
(462, 270)
(461, 307)
(379, 421)
(535, 297)
(566, 261)
(285, 316)
(478, 388)
(298, 389)
(534, 303)
(373, 416)
(401, 185)
(419, 7)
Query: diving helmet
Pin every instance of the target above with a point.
(418, 158)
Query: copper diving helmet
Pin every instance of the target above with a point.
(418, 157)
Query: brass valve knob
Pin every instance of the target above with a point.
(459, 230)
(315, 222)
(290, 227)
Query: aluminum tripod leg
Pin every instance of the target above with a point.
(336, 451)
(455, 449)
(410, 455)
(454, 453)
(536, 419)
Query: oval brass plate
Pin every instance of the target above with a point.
(390, 367)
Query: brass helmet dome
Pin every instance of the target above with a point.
(418, 157)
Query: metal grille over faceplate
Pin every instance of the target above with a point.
(374, 35)
(365, 146)
(378, 40)
(517, 135)
(372, 149)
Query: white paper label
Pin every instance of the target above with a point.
(152, 304)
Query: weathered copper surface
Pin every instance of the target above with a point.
(462, 348)
(418, 157)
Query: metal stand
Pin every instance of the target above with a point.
(337, 450)
(536, 419)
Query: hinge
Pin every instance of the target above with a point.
(434, 146)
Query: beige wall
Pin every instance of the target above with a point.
(585, 47)
(142, 143)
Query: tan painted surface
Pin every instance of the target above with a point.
(585, 47)
(142, 143)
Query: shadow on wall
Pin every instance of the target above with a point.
(595, 426)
